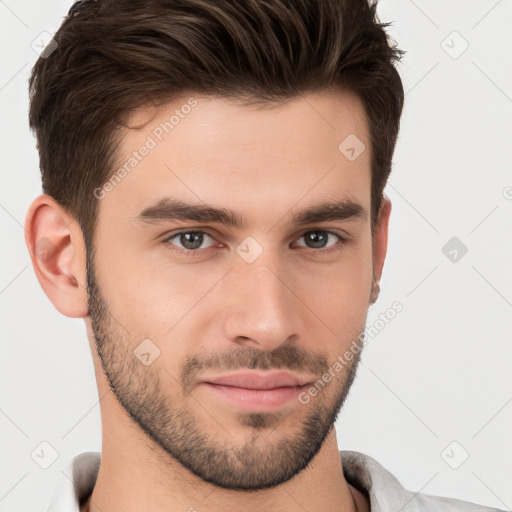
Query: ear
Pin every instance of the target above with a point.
(57, 250)
(380, 246)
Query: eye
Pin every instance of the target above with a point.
(190, 241)
(318, 239)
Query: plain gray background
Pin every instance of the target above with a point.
(434, 385)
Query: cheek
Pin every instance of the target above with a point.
(145, 292)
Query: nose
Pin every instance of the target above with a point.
(262, 309)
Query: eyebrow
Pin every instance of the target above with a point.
(169, 208)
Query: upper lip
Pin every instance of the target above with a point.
(259, 380)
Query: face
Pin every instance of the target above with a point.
(257, 277)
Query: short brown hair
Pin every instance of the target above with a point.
(113, 56)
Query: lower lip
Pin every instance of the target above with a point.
(257, 399)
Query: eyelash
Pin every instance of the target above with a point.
(195, 252)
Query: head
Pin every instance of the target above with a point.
(276, 121)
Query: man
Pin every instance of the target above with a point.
(213, 207)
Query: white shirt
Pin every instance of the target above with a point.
(384, 491)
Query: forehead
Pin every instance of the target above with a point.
(266, 157)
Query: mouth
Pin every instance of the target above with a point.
(253, 391)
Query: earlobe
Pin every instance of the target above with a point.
(57, 252)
